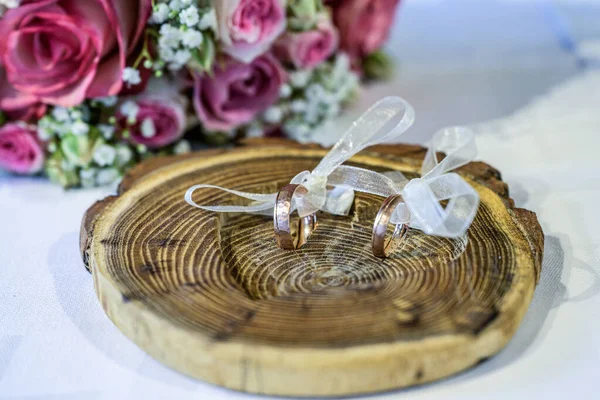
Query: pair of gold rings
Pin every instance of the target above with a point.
(288, 241)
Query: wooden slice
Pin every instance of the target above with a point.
(212, 296)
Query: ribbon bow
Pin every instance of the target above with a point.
(388, 118)
(421, 208)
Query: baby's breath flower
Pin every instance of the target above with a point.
(104, 155)
(124, 154)
(189, 16)
(80, 128)
(108, 101)
(183, 146)
(255, 130)
(44, 133)
(169, 36)
(107, 131)
(130, 110)
(131, 76)
(61, 114)
(160, 14)
(147, 128)
(298, 106)
(299, 79)
(76, 114)
(88, 177)
(315, 92)
(273, 115)
(176, 5)
(106, 176)
(285, 91)
(208, 20)
(192, 38)
(166, 53)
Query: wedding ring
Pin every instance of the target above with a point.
(379, 243)
(281, 219)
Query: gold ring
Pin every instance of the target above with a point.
(281, 219)
(378, 243)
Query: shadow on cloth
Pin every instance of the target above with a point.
(75, 293)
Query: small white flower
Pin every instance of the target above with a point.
(52, 147)
(104, 155)
(299, 79)
(183, 146)
(192, 38)
(208, 21)
(186, 2)
(333, 110)
(298, 106)
(273, 115)
(297, 130)
(255, 131)
(124, 154)
(182, 57)
(189, 16)
(315, 92)
(169, 36)
(76, 114)
(131, 76)
(79, 128)
(87, 173)
(107, 101)
(65, 165)
(176, 5)
(43, 133)
(147, 128)
(160, 14)
(130, 110)
(107, 131)
(106, 176)
(166, 53)
(61, 114)
(285, 91)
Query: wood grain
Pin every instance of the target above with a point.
(213, 297)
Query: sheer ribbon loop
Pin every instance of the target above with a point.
(422, 196)
(387, 119)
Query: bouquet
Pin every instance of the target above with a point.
(90, 88)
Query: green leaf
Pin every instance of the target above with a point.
(304, 9)
(378, 65)
(58, 174)
(207, 54)
(77, 149)
(2, 118)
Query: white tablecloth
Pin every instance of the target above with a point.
(457, 65)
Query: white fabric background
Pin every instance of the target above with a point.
(460, 62)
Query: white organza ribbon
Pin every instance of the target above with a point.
(421, 209)
(387, 119)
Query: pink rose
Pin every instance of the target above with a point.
(20, 150)
(18, 106)
(247, 28)
(62, 51)
(310, 48)
(237, 92)
(160, 120)
(363, 24)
